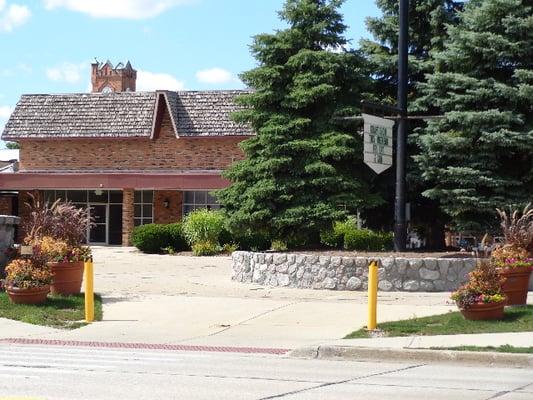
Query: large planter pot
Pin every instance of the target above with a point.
(484, 311)
(516, 285)
(36, 295)
(67, 277)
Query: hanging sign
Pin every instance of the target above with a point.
(377, 142)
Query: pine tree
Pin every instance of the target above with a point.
(303, 169)
(480, 155)
(427, 32)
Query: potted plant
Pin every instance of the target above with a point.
(59, 230)
(66, 264)
(481, 298)
(27, 282)
(514, 258)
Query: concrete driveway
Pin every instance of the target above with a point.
(192, 300)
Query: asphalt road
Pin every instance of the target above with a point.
(61, 373)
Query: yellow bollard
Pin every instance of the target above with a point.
(89, 291)
(372, 295)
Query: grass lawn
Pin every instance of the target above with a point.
(59, 311)
(517, 319)
(501, 349)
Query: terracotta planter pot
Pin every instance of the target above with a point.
(67, 277)
(36, 295)
(516, 285)
(484, 311)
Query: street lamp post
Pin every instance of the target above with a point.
(400, 223)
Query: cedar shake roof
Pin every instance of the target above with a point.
(124, 115)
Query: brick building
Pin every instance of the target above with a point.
(131, 157)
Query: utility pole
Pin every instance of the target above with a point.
(400, 223)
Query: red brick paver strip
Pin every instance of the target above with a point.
(150, 346)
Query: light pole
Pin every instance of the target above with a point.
(400, 223)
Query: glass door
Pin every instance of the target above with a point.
(98, 232)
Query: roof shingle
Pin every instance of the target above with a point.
(125, 115)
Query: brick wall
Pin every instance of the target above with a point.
(164, 152)
(171, 214)
(127, 216)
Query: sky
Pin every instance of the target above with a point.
(47, 46)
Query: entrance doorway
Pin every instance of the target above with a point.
(98, 233)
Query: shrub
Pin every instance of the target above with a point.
(278, 245)
(229, 248)
(205, 248)
(336, 235)
(150, 238)
(203, 226)
(255, 242)
(175, 234)
(367, 240)
(159, 238)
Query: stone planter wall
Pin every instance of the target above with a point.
(350, 273)
(7, 235)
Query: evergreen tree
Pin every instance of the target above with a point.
(427, 32)
(480, 155)
(305, 163)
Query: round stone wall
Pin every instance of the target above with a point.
(350, 273)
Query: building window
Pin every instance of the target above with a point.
(143, 203)
(194, 200)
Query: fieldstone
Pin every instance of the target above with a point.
(263, 267)
(322, 274)
(257, 277)
(273, 281)
(397, 283)
(387, 263)
(411, 286)
(416, 263)
(300, 259)
(470, 263)
(335, 261)
(300, 273)
(347, 261)
(261, 258)
(359, 271)
(283, 268)
(427, 286)
(440, 285)
(412, 273)
(353, 283)
(401, 266)
(279, 258)
(361, 262)
(269, 258)
(382, 273)
(324, 260)
(283, 280)
(444, 266)
(331, 273)
(430, 263)
(452, 276)
(429, 274)
(329, 283)
(293, 268)
(311, 259)
(272, 268)
(386, 286)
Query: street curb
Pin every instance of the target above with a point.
(352, 353)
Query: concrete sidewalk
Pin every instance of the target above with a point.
(191, 300)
